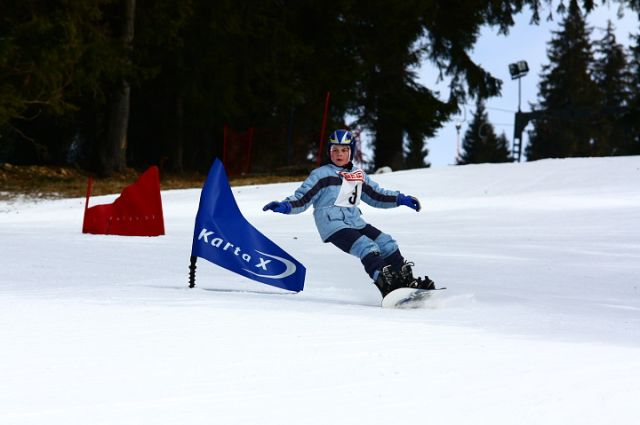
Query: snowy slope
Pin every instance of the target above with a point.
(540, 322)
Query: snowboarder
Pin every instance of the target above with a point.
(335, 190)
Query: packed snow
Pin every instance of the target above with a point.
(540, 323)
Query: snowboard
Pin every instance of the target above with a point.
(409, 297)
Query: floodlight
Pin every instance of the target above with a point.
(518, 69)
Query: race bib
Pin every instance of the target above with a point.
(351, 189)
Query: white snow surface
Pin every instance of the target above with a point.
(540, 323)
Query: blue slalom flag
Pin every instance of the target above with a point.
(223, 236)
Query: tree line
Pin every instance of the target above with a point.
(589, 100)
(106, 84)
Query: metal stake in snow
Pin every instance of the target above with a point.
(192, 271)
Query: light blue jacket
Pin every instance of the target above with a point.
(321, 190)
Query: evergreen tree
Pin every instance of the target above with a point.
(568, 94)
(632, 117)
(391, 40)
(611, 75)
(259, 64)
(53, 54)
(416, 152)
(480, 143)
(389, 100)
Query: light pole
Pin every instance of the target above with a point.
(458, 127)
(458, 123)
(518, 70)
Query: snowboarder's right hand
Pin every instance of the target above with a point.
(279, 207)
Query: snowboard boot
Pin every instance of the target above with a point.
(387, 281)
(407, 280)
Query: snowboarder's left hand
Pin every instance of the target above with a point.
(279, 207)
(409, 201)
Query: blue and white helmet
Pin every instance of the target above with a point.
(342, 138)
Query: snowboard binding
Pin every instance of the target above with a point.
(408, 281)
(388, 280)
